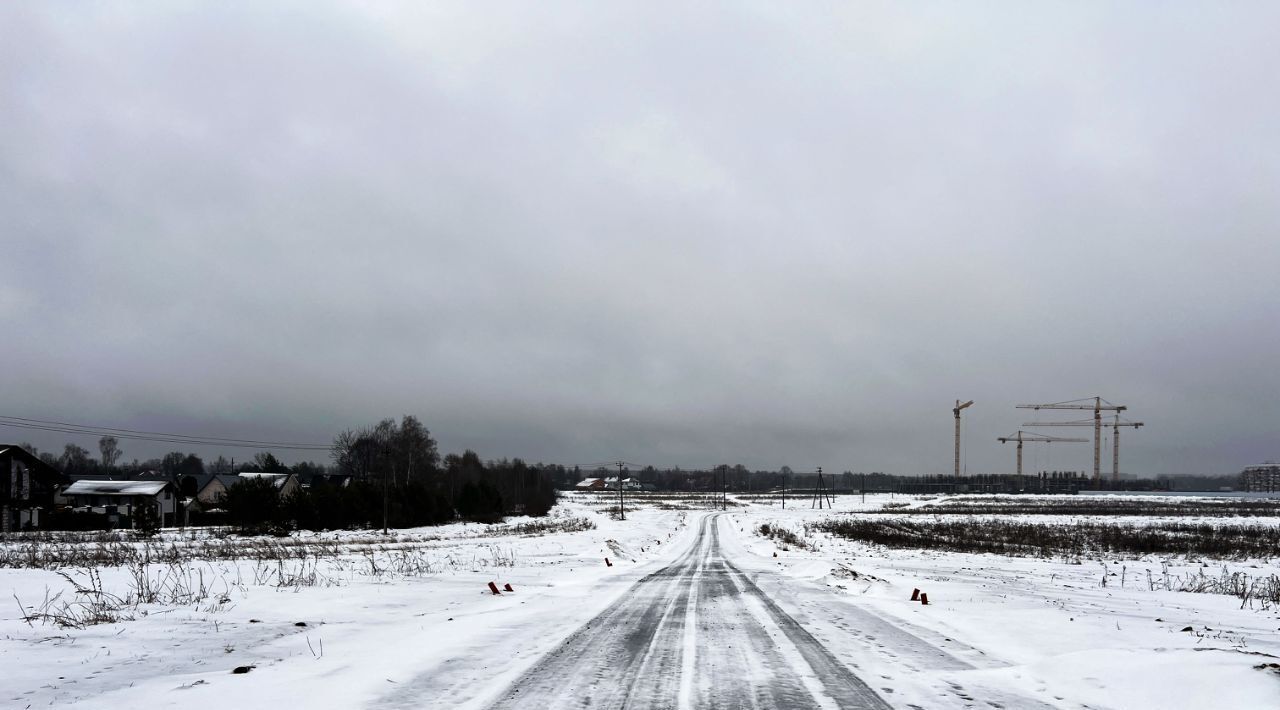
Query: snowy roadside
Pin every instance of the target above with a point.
(424, 631)
(1068, 632)
(347, 638)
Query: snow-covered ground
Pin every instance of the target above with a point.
(424, 631)
(1051, 628)
(367, 640)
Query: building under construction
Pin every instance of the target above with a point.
(1263, 478)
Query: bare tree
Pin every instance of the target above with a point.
(75, 460)
(110, 449)
(402, 453)
(413, 449)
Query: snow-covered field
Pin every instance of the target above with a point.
(1086, 632)
(408, 621)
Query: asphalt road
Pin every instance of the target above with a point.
(696, 634)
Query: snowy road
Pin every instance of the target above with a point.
(697, 633)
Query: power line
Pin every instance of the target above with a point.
(183, 440)
(156, 433)
(165, 437)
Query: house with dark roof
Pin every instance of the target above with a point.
(331, 480)
(214, 488)
(285, 483)
(217, 486)
(28, 487)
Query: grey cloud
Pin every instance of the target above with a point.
(683, 236)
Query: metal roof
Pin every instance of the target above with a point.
(115, 488)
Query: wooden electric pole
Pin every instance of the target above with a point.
(820, 494)
(724, 489)
(622, 511)
(384, 500)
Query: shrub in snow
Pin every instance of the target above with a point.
(479, 502)
(146, 520)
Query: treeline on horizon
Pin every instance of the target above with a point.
(739, 479)
(427, 489)
(357, 453)
(397, 477)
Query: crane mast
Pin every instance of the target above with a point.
(1025, 436)
(1098, 408)
(956, 411)
(1115, 425)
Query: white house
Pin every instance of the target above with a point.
(123, 497)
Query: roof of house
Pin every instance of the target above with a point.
(31, 460)
(226, 479)
(278, 479)
(331, 479)
(115, 488)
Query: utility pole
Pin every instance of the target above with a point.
(863, 487)
(622, 512)
(724, 489)
(956, 411)
(819, 493)
(384, 500)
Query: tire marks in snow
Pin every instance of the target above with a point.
(697, 633)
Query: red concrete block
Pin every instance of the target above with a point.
(494, 588)
(924, 598)
(507, 587)
(915, 595)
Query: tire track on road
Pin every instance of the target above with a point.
(643, 653)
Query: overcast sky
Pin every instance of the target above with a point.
(782, 233)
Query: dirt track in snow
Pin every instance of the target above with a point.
(698, 633)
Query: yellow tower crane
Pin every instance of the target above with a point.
(1115, 437)
(956, 412)
(1098, 406)
(1030, 436)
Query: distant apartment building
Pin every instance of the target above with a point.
(1263, 478)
